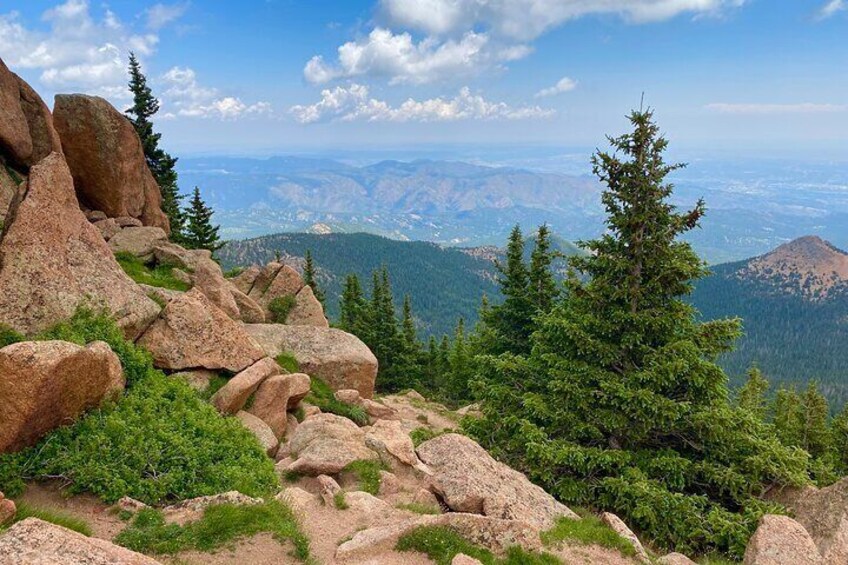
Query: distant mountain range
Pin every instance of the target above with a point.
(792, 300)
(753, 206)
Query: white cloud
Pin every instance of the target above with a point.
(160, 15)
(78, 51)
(832, 8)
(524, 20)
(564, 84)
(766, 109)
(190, 99)
(469, 36)
(354, 103)
(403, 60)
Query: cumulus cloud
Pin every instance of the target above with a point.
(564, 84)
(767, 109)
(354, 103)
(160, 15)
(832, 8)
(403, 60)
(186, 97)
(436, 39)
(78, 51)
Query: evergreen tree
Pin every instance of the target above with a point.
(444, 362)
(309, 277)
(354, 308)
(410, 338)
(788, 417)
(752, 395)
(460, 368)
(839, 439)
(816, 434)
(542, 286)
(512, 321)
(200, 233)
(161, 164)
(620, 404)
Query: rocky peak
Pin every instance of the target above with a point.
(808, 266)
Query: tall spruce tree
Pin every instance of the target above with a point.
(200, 233)
(512, 320)
(620, 404)
(542, 286)
(309, 277)
(752, 395)
(161, 164)
(353, 307)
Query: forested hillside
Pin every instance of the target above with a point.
(792, 332)
(444, 284)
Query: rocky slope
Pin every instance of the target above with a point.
(356, 487)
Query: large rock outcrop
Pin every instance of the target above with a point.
(325, 444)
(52, 260)
(193, 333)
(469, 480)
(35, 542)
(780, 540)
(276, 280)
(336, 357)
(107, 160)
(824, 514)
(27, 134)
(46, 384)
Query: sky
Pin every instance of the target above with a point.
(274, 76)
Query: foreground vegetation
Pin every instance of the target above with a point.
(159, 443)
(219, 526)
(442, 544)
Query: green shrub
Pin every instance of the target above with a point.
(589, 530)
(159, 275)
(220, 525)
(51, 515)
(367, 473)
(280, 308)
(234, 272)
(288, 362)
(422, 434)
(442, 544)
(8, 336)
(340, 501)
(159, 443)
(322, 396)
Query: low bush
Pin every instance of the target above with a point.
(219, 526)
(158, 443)
(322, 396)
(280, 308)
(589, 530)
(8, 336)
(159, 275)
(442, 544)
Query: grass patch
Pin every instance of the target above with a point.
(340, 501)
(160, 275)
(291, 476)
(589, 530)
(52, 516)
(159, 443)
(234, 272)
(442, 544)
(322, 396)
(220, 525)
(367, 473)
(280, 308)
(288, 362)
(216, 383)
(422, 434)
(420, 508)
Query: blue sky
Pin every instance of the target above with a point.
(271, 76)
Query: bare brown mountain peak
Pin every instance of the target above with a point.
(808, 266)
